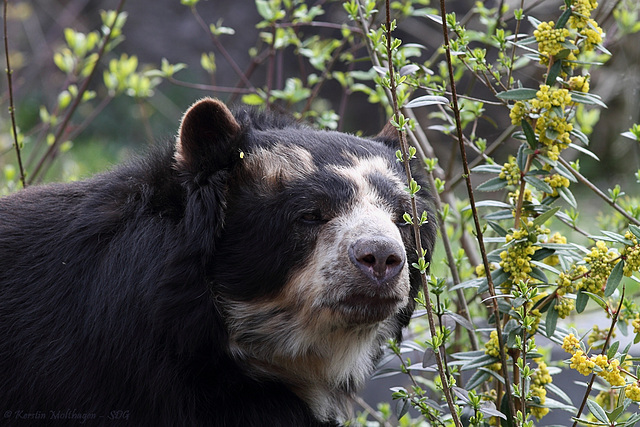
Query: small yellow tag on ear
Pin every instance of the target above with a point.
(241, 154)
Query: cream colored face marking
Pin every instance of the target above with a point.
(280, 163)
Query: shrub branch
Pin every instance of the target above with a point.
(12, 109)
(478, 228)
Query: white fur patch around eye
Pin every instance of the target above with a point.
(281, 163)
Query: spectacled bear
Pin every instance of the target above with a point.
(246, 275)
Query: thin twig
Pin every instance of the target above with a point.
(440, 353)
(221, 48)
(479, 233)
(12, 109)
(513, 48)
(598, 192)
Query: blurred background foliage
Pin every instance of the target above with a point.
(307, 60)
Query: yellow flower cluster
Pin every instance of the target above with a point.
(636, 324)
(510, 172)
(550, 39)
(541, 375)
(564, 307)
(548, 97)
(581, 363)
(570, 344)
(492, 348)
(556, 181)
(539, 379)
(609, 369)
(631, 255)
(601, 262)
(579, 84)
(516, 260)
(559, 135)
(551, 124)
(581, 13)
(592, 34)
(517, 112)
(632, 391)
(540, 393)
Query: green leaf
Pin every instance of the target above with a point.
(635, 230)
(554, 72)
(542, 218)
(587, 98)
(253, 99)
(559, 392)
(489, 203)
(538, 183)
(483, 360)
(614, 278)
(584, 150)
(564, 172)
(487, 168)
(562, 21)
(476, 379)
(581, 301)
(494, 184)
(598, 299)
(402, 407)
(568, 197)
(497, 228)
(519, 94)
(617, 237)
(611, 352)
(529, 134)
(597, 411)
(422, 101)
(552, 319)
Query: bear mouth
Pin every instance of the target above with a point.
(364, 309)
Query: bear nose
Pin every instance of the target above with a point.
(379, 258)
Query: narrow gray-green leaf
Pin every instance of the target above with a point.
(427, 100)
(519, 94)
(614, 278)
(529, 134)
(597, 411)
(587, 98)
(584, 150)
(581, 301)
(538, 183)
(487, 168)
(568, 197)
(494, 184)
(552, 319)
(542, 218)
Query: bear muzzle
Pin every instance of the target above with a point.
(379, 258)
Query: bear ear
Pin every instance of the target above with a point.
(207, 137)
(389, 136)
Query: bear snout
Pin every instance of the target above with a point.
(380, 258)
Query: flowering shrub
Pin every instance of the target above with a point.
(519, 273)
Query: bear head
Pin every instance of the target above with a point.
(311, 266)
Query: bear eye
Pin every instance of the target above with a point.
(312, 218)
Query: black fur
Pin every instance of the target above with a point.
(109, 287)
